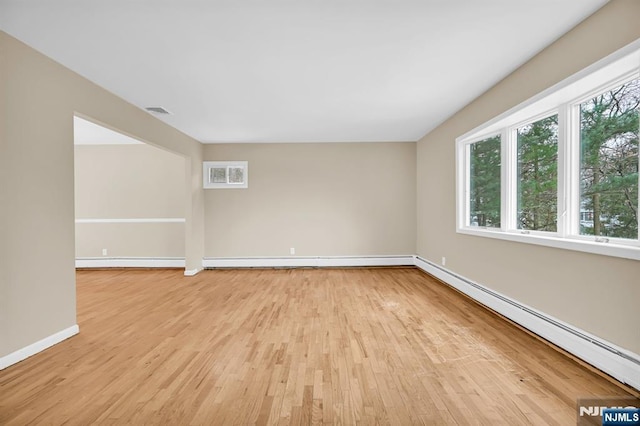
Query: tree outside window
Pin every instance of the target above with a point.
(609, 163)
(484, 174)
(538, 175)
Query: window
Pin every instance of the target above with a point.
(225, 174)
(561, 169)
(538, 175)
(484, 183)
(609, 129)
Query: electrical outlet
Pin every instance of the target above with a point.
(444, 261)
(104, 252)
(292, 250)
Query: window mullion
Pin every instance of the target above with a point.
(509, 181)
(571, 172)
(565, 171)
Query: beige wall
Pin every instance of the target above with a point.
(145, 240)
(4, 193)
(38, 99)
(323, 199)
(596, 293)
(129, 182)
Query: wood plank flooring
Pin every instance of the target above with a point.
(302, 346)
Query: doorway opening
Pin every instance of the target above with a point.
(129, 201)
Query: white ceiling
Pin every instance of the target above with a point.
(295, 70)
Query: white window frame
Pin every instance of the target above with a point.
(206, 173)
(467, 181)
(563, 99)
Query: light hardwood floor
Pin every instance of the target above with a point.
(303, 346)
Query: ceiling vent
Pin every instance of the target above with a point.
(157, 110)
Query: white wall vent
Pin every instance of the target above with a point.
(225, 174)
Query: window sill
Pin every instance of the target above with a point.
(601, 248)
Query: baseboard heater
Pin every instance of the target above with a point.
(307, 261)
(628, 373)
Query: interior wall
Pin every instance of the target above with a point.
(596, 293)
(39, 98)
(337, 199)
(129, 182)
(4, 194)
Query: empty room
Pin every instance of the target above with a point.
(319, 212)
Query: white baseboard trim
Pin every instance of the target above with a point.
(621, 364)
(306, 261)
(191, 272)
(130, 262)
(38, 346)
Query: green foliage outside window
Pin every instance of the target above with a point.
(484, 197)
(538, 175)
(609, 163)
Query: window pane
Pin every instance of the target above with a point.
(538, 175)
(484, 175)
(609, 163)
(236, 175)
(218, 175)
